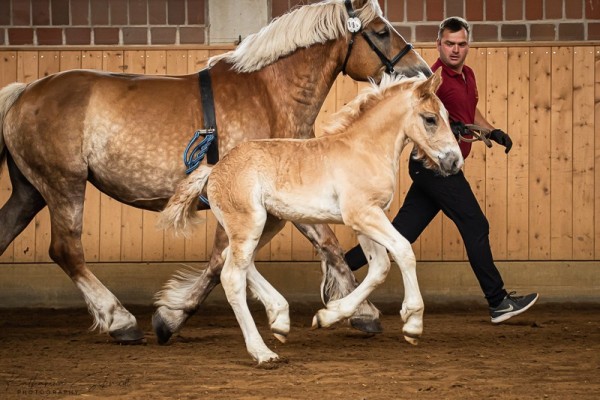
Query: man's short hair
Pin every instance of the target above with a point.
(454, 24)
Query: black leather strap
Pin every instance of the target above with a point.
(208, 109)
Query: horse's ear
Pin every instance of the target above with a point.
(431, 85)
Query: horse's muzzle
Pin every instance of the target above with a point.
(450, 163)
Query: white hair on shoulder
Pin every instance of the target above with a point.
(302, 27)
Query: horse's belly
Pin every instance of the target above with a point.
(311, 211)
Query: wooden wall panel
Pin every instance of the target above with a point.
(8, 74)
(545, 98)
(540, 100)
(518, 172)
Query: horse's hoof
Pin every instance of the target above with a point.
(128, 336)
(366, 325)
(161, 329)
(411, 340)
(315, 323)
(280, 336)
(273, 363)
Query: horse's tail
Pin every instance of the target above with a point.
(8, 96)
(181, 209)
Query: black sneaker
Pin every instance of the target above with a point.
(512, 305)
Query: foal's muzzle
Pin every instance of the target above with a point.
(450, 163)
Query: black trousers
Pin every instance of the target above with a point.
(430, 193)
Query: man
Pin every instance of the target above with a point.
(430, 192)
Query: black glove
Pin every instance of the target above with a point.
(458, 128)
(498, 136)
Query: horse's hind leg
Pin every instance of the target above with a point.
(338, 281)
(66, 249)
(183, 294)
(24, 203)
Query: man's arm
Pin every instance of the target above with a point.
(497, 135)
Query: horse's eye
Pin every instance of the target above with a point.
(429, 119)
(383, 33)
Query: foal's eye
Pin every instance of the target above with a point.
(430, 120)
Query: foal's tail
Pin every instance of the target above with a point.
(8, 96)
(182, 206)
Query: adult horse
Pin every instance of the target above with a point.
(347, 176)
(125, 134)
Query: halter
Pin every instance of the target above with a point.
(354, 26)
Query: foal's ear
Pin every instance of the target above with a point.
(431, 85)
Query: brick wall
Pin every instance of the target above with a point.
(102, 22)
(492, 20)
(180, 22)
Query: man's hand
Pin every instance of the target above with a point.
(458, 128)
(498, 136)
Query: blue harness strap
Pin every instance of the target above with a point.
(195, 152)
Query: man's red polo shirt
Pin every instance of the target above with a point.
(459, 94)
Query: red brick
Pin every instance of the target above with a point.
(157, 12)
(4, 13)
(176, 12)
(196, 12)
(571, 31)
(474, 10)
(60, 12)
(414, 10)
(138, 12)
(395, 11)
(191, 35)
(163, 35)
(534, 9)
(493, 10)
(20, 36)
(118, 12)
(513, 32)
(592, 9)
(573, 10)
(426, 33)
(106, 35)
(135, 35)
(455, 8)
(49, 36)
(593, 31)
(80, 13)
(20, 13)
(99, 12)
(484, 32)
(554, 9)
(40, 12)
(542, 32)
(278, 8)
(381, 4)
(405, 32)
(513, 10)
(78, 36)
(434, 10)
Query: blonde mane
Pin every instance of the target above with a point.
(367, 99)
(302, 27)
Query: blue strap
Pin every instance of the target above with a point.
(193, 159)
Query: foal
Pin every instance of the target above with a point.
(347, 176)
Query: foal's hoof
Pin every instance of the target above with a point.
(128, 336)
(366, 324)
(161, 329)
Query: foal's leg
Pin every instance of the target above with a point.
(375, 225)
(24, 203)
(338, 280)
(183, 294)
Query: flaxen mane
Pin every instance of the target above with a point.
(367, 99)
(303, 27)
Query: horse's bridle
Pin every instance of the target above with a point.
(354, 26)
